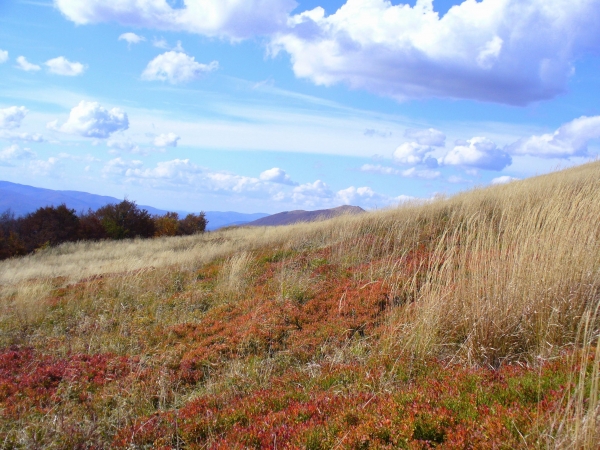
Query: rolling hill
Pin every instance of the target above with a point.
(297, 216)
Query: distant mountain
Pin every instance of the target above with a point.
(22, 199)
(217, 219)
(290, 217)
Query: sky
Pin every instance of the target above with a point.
(275, 105)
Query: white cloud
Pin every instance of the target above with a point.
(235, 19)
(119, 166)
(408, 173)
(62, 66)
(24, 137)
(131, 38)
(425, 174)
(505, 51)
(489, 54)
(176, 67)
(277, 175)
(12, 117)
(353, 195)
(315, 189)
(571, 139)
(430, 136)
(123, 146)
(411, 153)
(89, 119)
(14, 152)
(3, 56)
(166, 140)
(479, 153)
(160, 43)
(379, 169)
(504, 179)
(43, 167)
(25, 65)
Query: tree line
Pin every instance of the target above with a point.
(53, 225)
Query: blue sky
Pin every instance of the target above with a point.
(272, 105)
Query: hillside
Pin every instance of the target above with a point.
(22, 199)
(291, 217)
(468, 322)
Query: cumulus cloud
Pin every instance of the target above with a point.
(479, 153)
(131, 38)
(504, 179)
(571, 139)
(62, 66)
(89, 119)
(414, 153)
(509, 51)
(121, 167)
(316, 189)
(14, 152)
(277, 175)
(353, 195)
(367, 197)
(25, 65)
(176, 67)
(166, 140)
(3, 56)
(429, 136)
(12, 117)
(235, 19)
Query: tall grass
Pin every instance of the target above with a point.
(488, 277)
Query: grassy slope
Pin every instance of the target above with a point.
(469, 322)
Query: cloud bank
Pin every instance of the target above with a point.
(506, 51)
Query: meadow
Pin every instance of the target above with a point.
(462, 322)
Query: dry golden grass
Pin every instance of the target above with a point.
(508, 273)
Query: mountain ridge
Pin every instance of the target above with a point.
(22, 199)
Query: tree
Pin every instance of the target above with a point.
(10, 242)
(51, 225)
(167, 225)
(90, 227)
(125, 220)
(193, 223)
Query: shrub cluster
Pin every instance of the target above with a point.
(53, 225)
